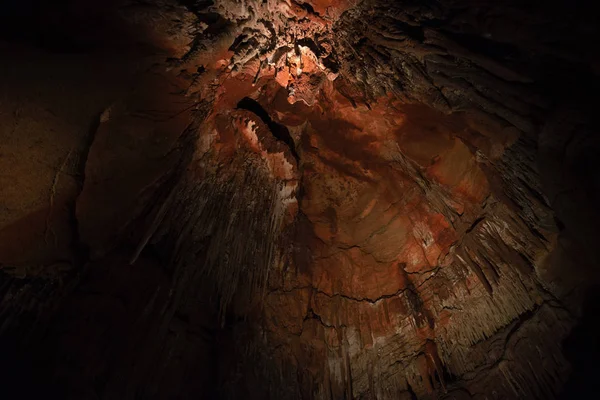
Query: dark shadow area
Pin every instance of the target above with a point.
(582, 349)
(65, 26)
(280, 132)
(114, 329)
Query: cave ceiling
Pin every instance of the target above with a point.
(320, 199)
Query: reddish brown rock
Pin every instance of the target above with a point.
(305, 199)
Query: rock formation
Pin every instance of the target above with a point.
(281, 199)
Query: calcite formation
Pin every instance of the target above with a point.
(307, 200)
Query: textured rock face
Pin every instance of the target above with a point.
(303, 200)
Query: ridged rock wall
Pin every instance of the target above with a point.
(300, 200)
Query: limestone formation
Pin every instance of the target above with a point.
(298, 199)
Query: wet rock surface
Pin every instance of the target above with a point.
(298, 200)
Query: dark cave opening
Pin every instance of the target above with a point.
(280, 131)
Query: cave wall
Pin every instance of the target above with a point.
(303, 200)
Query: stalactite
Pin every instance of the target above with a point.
(228, 227)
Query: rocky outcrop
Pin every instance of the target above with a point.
(317, 200)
